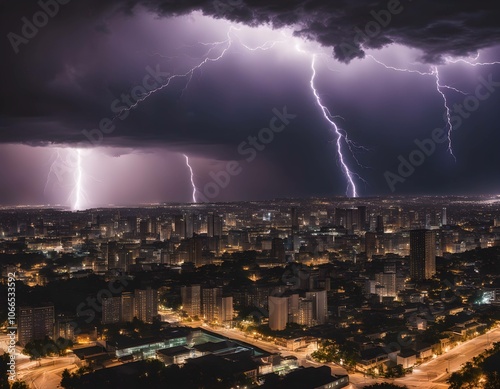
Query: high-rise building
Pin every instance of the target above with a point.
(379, 229)
(306, 312)
(293, 308)
(191, 300)
(211, 303)
(227, 313)
(144, 228)
(195, 250)
(131, 225)
(35, 323)
(110, 252)
(349, 218)
(278, 249)
(362, 218)
(128, 306)
(428, 221)
(146, 304)
(444, 217)
(422, 254)
(370, 244)
(180, 226)
(386, 284)
(214, 225)
(278, 312)
(111, 310)
(374, 244)
(320, 306)
(64, 328)
(189, 225)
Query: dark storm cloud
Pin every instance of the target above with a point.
(63, 79)
(436, 27)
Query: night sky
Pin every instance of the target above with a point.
(67, 77)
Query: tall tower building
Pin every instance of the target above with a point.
(428, 221)
(191, 299)
(362, 218)
(180, 226)
(444, 218)
(226, 314)
(379, 229)
(214, 225)
(111, 310)
(370, 244)
(35, 323)
(189, 225)
(278, 312)
(278, 249)
(128, 307)
(211, 303)
(422, 254)
(146, 304)
(320, 306)
(144, 228)
(195, 250)
(306, 312)
(387, 281)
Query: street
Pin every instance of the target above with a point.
(46, 373)
(41, 374)
(429, 375)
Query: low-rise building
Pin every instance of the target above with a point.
(407, 358)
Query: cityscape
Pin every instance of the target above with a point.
(237, 194)
(322, 292)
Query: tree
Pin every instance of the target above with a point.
(20, 385)
(395, 372)
(4, 380)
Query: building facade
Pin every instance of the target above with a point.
(422, 254)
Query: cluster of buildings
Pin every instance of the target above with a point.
(141, 304)
(35, 323)
(309, 308)
(208, 304)
(209, 353)
(312, 269)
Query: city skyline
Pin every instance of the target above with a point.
(166, 103)
(348, 291)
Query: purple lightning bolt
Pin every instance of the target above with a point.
(192, 177)
(340, 135)
(470, 62)
(224, 45)
(78, 193)
(69, 169)
(439, 88)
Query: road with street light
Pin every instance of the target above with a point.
(429, 375)
(46, 373)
